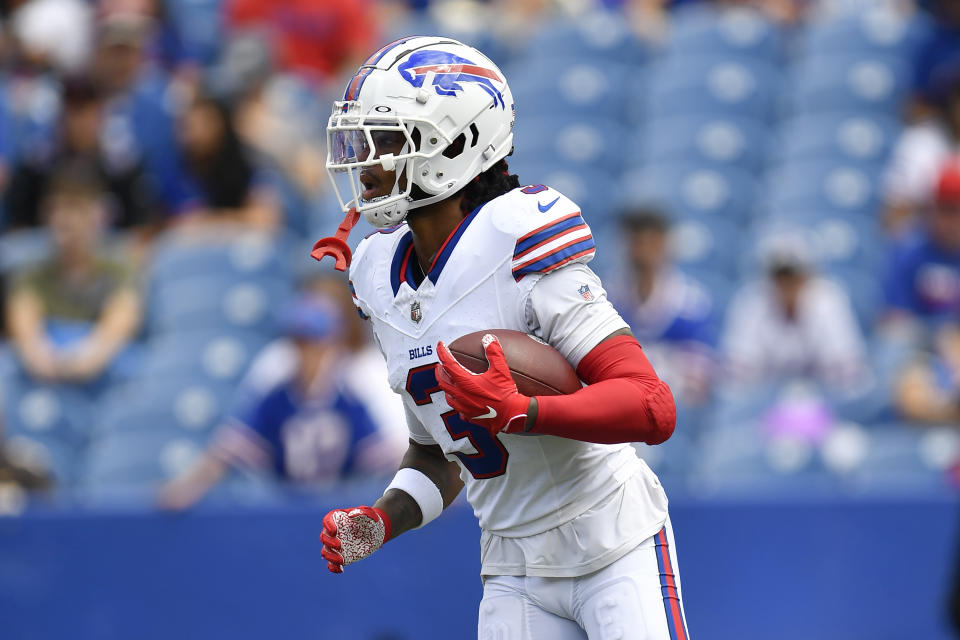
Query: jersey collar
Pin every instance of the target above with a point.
(401, 270)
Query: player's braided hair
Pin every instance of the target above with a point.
(490, 184)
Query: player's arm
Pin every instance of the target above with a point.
(424, 486)
(404, 510)
(625, 401)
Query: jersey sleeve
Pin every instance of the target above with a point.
(568, 308)
(418, 433)
(548, 230)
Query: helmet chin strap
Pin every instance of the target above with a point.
(395, 205)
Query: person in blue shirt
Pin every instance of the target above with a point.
(672, 314)
(923, 282)
(293, 416)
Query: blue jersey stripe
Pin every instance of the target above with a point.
(395, 276)
(552, 260)
(550, 231)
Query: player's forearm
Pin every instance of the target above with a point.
(625, 402)
(404, 512)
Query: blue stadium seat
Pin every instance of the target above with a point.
(589, 87)
(714, 85)
(874, 31)
(862, 139)
(571, 142)
(219, 355)
(691, 190)
(21, 248)
(243, 255)
(58, 412)
(865, 291)
(218, 302)
(192, 404)
(596, 35)
(139, 458)
(827, 186)
(901, 456)
(703, 29)
(706, 138)
(707, 243)
(835, 240)
(48, 452)
(867, 83)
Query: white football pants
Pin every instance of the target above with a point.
(635, 598)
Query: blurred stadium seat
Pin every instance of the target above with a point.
(219, 355)
(590, 88)
(702, 29)
(571, 142)
(706, 244)
(217, 302)
(705, 138)
(243, 255)
(139, 457)
(866, 83)
(880, 30)
(689, 189)
(56, 411)
(598, 35)
(826, 186)
(849, 137)
(713, 85)
(190, 403)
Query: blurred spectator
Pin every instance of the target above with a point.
(938, 57)
(79, 138)
(277, 114)
(139, 103)
(220, 182)
(365, 370)
(293, 416)
(670, 313)
(69, 316)
(923, 284)
(793, 324)
(928, 388)
(315, 38)
(910, 179)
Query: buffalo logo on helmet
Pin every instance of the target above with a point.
(449, 71)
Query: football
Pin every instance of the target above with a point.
(537, 368)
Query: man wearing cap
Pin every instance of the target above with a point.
(291, 416)
(793, 323)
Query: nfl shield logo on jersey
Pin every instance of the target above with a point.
(415, 314)
(585, 292)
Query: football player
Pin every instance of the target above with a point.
(576, 537)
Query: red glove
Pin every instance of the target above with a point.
(352, 535)
(489, 399)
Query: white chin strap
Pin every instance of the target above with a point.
(388, 214)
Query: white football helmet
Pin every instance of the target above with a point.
(443, 109)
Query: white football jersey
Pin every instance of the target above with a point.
(518, 262)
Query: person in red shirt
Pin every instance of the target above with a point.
(312, 37)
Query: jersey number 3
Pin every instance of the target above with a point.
(490, 460)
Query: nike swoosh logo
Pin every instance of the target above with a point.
(491, 413)
(546, 207)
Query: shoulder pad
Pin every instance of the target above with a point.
(548, 228)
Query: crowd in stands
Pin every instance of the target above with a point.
(774, 187)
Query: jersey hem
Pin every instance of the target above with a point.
(579, 570)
